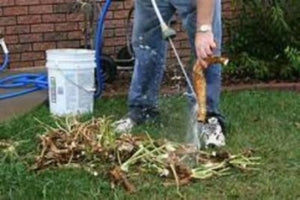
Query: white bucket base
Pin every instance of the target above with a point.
(71, 78)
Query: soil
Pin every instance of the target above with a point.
(177, 85)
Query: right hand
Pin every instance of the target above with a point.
(204, 44)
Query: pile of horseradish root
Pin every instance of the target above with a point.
(95, 147)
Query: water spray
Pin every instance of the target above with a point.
(200, 126)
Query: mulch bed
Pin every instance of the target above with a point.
(121, 87)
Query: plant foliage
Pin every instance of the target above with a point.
(265, 38)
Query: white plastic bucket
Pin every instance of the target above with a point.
(71, 81)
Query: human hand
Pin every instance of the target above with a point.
(204, 44)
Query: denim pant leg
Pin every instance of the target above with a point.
(187, 11)
(150, 53)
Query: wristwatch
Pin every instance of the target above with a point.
(204, 28)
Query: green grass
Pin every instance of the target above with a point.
(265, 121)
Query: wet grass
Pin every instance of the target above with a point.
(268, 122)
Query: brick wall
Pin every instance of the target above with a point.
(33, 26)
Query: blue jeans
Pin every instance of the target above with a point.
(150, 52)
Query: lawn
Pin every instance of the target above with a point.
(268, 122)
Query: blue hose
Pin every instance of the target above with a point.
(36, 82)
(98, 47)
(5, 63)
(32, 82)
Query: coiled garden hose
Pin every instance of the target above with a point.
(31, 82)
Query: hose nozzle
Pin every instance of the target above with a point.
(168, 32)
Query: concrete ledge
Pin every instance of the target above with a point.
(12, 108)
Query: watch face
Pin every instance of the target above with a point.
(205, 28)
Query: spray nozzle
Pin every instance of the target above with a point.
(168, 32)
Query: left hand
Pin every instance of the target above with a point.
(204, 44)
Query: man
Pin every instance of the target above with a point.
(202, 21)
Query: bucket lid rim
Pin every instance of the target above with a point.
(70, 51)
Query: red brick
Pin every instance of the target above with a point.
(40, 9)
(65, 30)
(177, 28)
(32, 37)
(117, 5)
(68, 44)
(114, 41)
(41, 28)
(39, 63)
(29, 19)
(226, 5)
(75, 17)
(1, 58)
(56, 36)
(19, 48)
(53, 1)
(181, 36)
(121, 14)
(7, 3)
(17, 10)
(128, 5)
(185, 52)
(109, 15)
(31, 56)
(27, 2)
(18, 29)
(54, 18)
(69, 26)
(15, 57)
(177, 43)
(115, 24)
(4, 21)
(75, 35)
(42, 46)
(185, 44)
(12, 57)
(11, 39)
(21, 64)
(109, 33)
(2, 30)
(61, 8)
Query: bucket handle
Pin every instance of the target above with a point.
(88, 90)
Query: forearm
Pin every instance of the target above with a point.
(205, 12)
